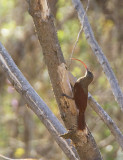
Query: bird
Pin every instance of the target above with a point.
(80, 95)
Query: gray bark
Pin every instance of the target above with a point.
(99, 53)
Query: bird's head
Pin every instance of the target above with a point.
(88, 75)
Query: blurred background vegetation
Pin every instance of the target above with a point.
(21, 133)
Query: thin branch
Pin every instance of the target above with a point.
(107, 120)
(103, 115)
(6, 158)
(99, 53)
(36, 104)
(79, 32)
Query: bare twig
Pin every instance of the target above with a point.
(103, 115)
(107, 120)
(99, 53)
(79, 33)
(6, 158)
(34, 101)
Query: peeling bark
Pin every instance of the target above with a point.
(44, 23)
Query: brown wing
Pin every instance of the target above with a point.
(80, 97)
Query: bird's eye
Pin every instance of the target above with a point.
(90, 74)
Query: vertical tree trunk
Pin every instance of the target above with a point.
(43, 20)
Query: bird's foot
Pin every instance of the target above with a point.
(69, 97)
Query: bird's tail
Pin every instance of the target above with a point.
(81, 121)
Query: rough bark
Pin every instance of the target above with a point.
(43, 20)
(36, 104)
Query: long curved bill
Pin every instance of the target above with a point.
(81, 62)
